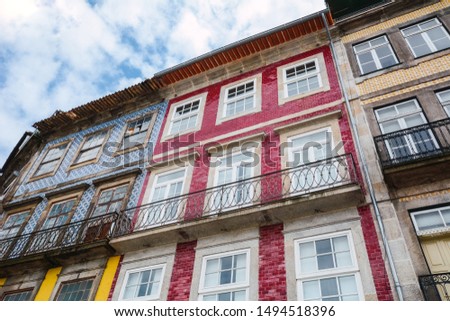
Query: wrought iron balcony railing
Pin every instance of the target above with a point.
(435, 287)
(73, 234)
(415, 143)
(297, 181)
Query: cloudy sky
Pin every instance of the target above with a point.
(59, 54)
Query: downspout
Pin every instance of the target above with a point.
(361, 156)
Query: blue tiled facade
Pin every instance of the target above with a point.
(86, 174)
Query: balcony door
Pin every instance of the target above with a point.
(433, 226)
(307, 156)
(408, 137)
(164, 207)
(232, 188)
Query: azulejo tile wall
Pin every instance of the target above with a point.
(84, 174)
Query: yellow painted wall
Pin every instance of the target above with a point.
(2, 282)
(395, 21)
(107, 278)
(47, 286)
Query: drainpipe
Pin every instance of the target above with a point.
(398, 287)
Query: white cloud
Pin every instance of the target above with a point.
(59, 54)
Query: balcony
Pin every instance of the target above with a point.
(421, 148)
(435, 287)
(53, 242)
(262, 194)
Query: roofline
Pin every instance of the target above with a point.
(15, 150)
(241, 42)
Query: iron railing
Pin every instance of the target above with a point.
(73, 234)
(435, 287)
(415, 143)
(297, 181)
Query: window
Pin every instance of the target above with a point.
(401, 116)
(239, 99)
(51, 161)
(326, 269)
(110, 200)
(143, 284)
(232, 170)
(13, 224)
(137, 132)
(91, 147)
(18, 296)
(165, 207)
(59, 214)
(75, 291)
(307, 153)
(426, 37)
(225, 277)
(444, 98)
(431, 219)
(302, 78)
(185, 117)
(374, 54)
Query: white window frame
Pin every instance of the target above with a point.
(327, 273)
(424, 34)
(373, 53)
(157, 296)
(224, 100)
(232, 287)
(158, 213)
(176, 118)
(445, 103)
(224, 161)
(291, 158)
(307, 76)
(446, 226)
(401, 121)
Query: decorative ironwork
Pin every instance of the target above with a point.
(415, 143)
(297, 181)
(435, 287)
(73, 234)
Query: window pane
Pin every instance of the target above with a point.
(446, 215)
(329, 287)
(211, 279)
(325, 262)
(239, 296)
(347, 285)
(418, 45)
(429, 220)
(169, 177)
(323, 246)
(311, 290)
(343, 259)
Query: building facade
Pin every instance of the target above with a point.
(68, 184)
(394, 57)
(282, 167)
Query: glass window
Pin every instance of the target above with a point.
(137, 132)
(426, 37)
(59, 214)
(13, 224)
(374, 54)
(91, 147)
(164, 205)
(431, 219)
(307, 154)
(110, 200)
(75, 291)
(444, 98)
(326, 269)
(225, 277)
(240, 98)
(399, 118)
(233, 172)
(302, 78)
(143, 284)
(51, 160)
(18, 296)
(185, 117)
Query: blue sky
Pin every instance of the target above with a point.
(59, 54)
